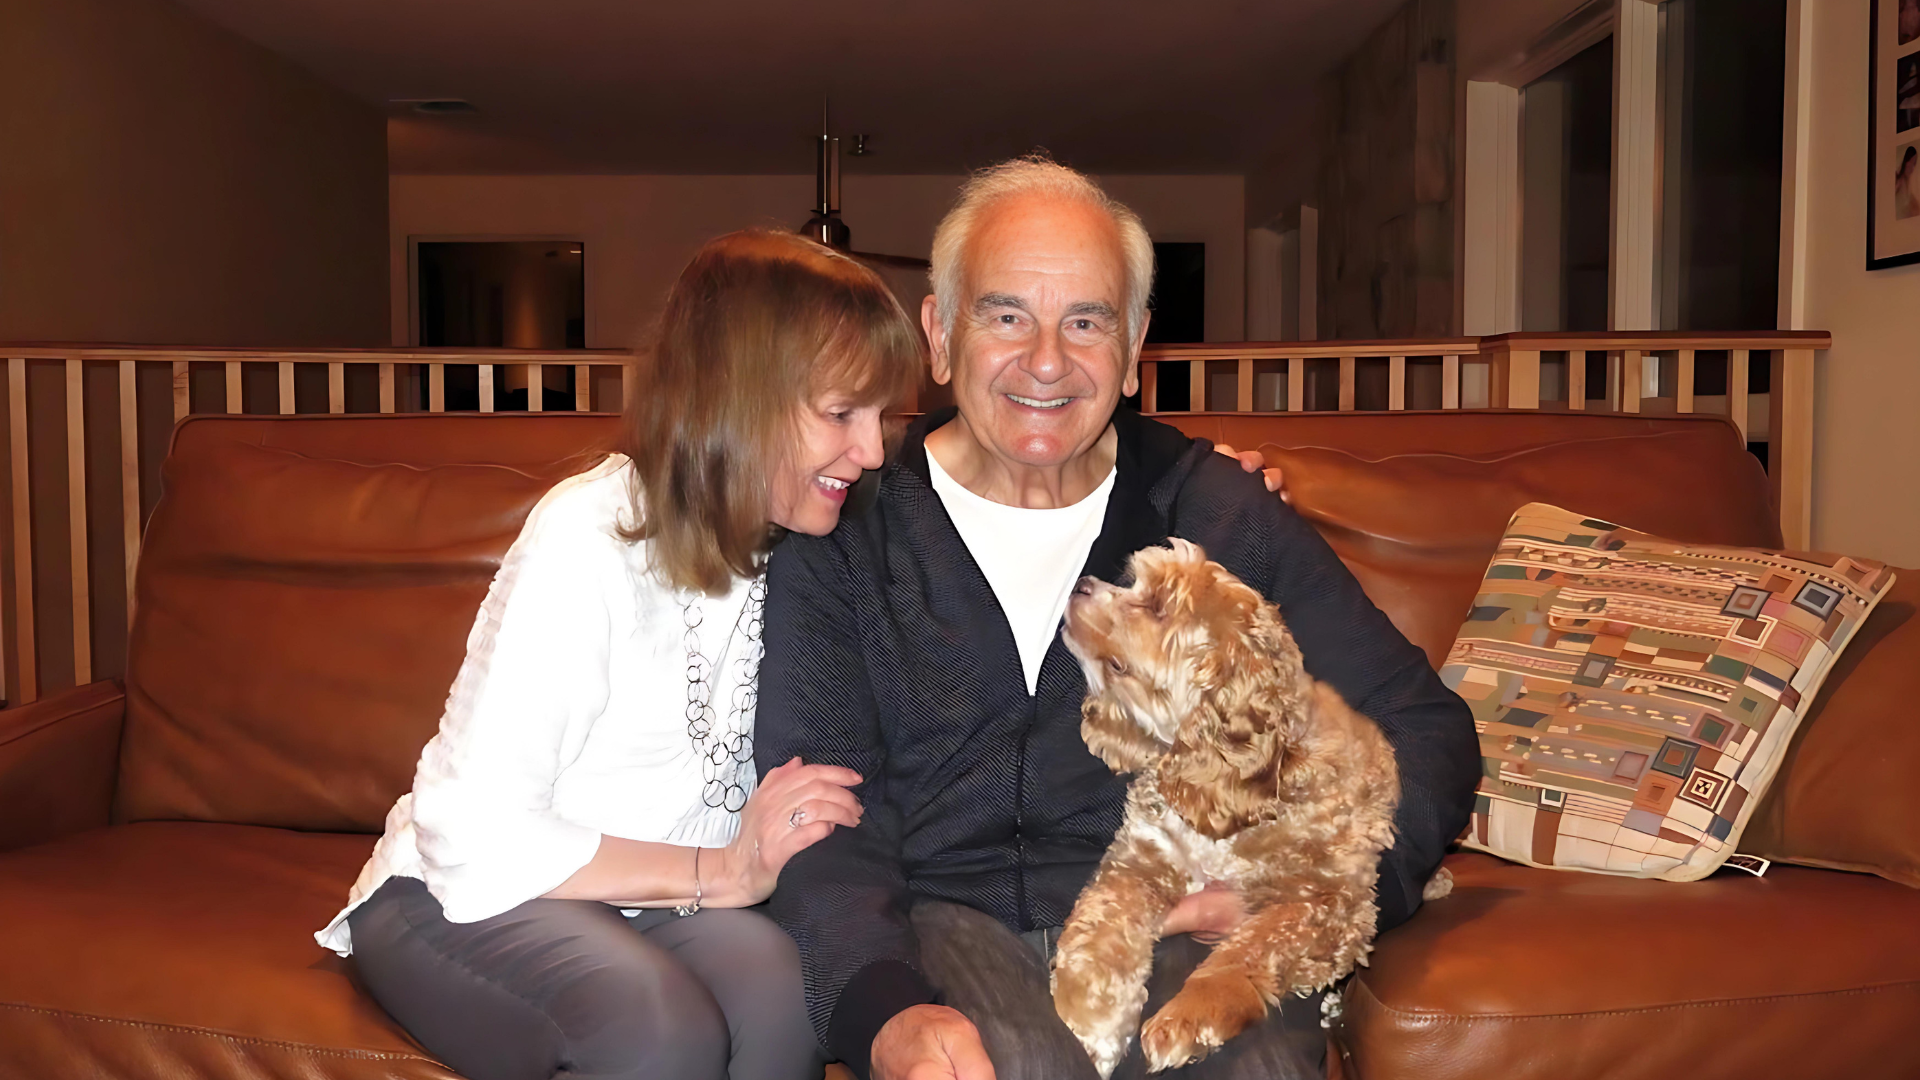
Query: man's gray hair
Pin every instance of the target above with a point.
(1035, 174)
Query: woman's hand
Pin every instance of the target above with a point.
(1255, 461)
(1209, 915)
(795, 806)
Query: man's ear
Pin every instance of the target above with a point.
(936, 341)
(1131, 384)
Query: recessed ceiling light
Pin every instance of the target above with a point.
(436, 106)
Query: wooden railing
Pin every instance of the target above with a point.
(98, 410)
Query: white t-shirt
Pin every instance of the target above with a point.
(569, 718)
(1032, 558)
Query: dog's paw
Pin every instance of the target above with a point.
(1439, 885)
(1208, 1011)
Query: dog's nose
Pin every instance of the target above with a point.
(1084, 587)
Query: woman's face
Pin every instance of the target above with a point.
(834, 441)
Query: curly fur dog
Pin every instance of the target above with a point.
(1249, 773)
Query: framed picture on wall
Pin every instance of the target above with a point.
(1893, 135)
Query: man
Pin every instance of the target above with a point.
(919, 645)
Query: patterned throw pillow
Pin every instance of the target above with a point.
(1634, 695)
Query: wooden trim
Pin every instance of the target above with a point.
(25, 639)
(582, 388)
(1348, 376)
(1197, 386)
(1522, 379)
(536, 389)
(1634, 220)
(436, 388)
(1244, 402)
(386, 387)
(1577, 380)
(1683, 381)
(1737, 398)
(1790, 444)
(79, 572)
(130, 473)
(182, 390)
(1450, 382)
(1149, 386)
(1396, 383)
(1650, 340)
(336, 387)
(236, 393)
(486, 388)
(1490, 205)
(629, 385)
(1296, 384)
(287, 402)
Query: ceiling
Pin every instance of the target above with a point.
(735, 86)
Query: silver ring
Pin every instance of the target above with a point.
(795, 819)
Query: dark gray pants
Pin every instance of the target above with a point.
(999, 980)
(571, 988)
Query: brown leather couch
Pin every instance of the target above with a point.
(170, 844)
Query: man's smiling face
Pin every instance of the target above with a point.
(1039, 352)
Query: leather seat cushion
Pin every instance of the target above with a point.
(186, 949)
(1525, 973)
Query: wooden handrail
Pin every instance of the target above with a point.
(1507, 373)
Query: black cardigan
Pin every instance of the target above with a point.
(888, 653)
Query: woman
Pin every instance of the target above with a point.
(561, 892)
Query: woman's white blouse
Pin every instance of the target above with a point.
(569, 717)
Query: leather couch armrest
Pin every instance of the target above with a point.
(58, 758)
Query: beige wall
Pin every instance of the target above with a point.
(640, 230)
(1866, 494)
(163, 181)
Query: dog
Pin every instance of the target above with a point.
(1247, 773)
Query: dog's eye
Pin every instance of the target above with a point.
(1116, 665)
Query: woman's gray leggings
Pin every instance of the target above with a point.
(571, 988)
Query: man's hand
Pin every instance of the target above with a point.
(1254, 461)
(930, 1042)
(1209, 915)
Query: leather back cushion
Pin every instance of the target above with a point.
(1415, 503)
(305, 591)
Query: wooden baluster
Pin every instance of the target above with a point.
(1149, 386)
(386, 386)
(182, 391)
(1245, 402)
(1396, 383)
(436, 386)
(1576, 379)
(582, 388)
(1296, 384)
(24, 636)
(130, 474)
(1737, 402)
(1197, 386)
(1790, 444)
(236, 397)
(1347, 366)
(1683, 381)
(1450, 382)
(629, 385)
(337, 387)
(1522, 384)
(82, 594)
(286, 387)
(486, 388)
(536, 388)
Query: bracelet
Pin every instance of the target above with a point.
(688, 909)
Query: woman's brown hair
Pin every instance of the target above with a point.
(758, 326)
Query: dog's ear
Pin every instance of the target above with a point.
(1115, 738)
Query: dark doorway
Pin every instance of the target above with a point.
(507, 294)
(1179, 306)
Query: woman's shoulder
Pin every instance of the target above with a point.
(589, 508)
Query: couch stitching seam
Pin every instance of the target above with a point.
(374, 1055)
(1445, 1018)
